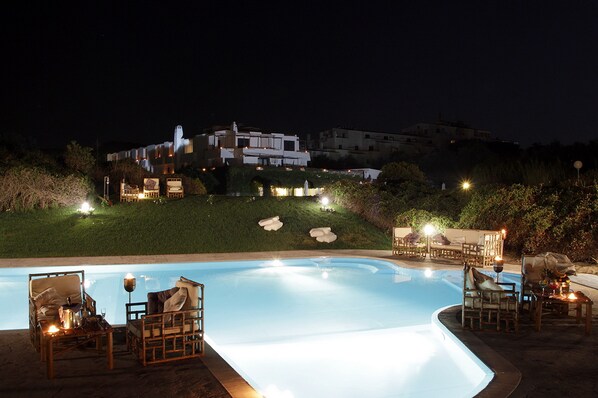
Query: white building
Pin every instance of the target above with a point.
(221, 146)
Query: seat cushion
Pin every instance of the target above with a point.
(134, 327)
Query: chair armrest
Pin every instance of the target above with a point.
(404, 242)
(511, 286)
(89, 303)
(136, 311)
(471, 248)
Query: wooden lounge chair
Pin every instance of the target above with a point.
(48, 292)
(174, 188)
(156, 333)
(151, 187)
(486, 302)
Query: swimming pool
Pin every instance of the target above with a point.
(318, 327)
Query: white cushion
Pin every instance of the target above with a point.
(65, 285)
(470, 283)
(275, 226)
(314, 232)
(328, 238)
(489, 284)
(192, 292)
(267, 221)
(176, 301)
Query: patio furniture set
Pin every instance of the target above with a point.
(62, 317)
(476, 247)
(498, 304)
(151, 189)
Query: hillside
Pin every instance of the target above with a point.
(195, 224)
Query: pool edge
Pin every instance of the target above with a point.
(506, 376)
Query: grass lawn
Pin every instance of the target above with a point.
(194, 224)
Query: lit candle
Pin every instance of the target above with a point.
(571, 296)
(53, 329)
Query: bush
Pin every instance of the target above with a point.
(26, 188)
(193, 186)
(416, 219)
(539, 219)
(127, 170)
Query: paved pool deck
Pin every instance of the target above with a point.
(559, 361)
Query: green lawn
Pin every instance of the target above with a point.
(190, 225)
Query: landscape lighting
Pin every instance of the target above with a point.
(85, 209)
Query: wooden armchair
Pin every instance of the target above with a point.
(169, 326)
(174, 188)
(533, 271)
(407, 243)
(48, 292)
(486, 302)
(151, 187)
(483, 253)
(128, 193)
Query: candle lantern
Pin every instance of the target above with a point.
(498, 266)
(130, 284)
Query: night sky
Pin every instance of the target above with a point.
(100, 71)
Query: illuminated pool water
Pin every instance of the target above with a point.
(319, 327)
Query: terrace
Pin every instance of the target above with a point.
(551, 362)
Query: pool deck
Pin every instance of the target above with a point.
(556, 361)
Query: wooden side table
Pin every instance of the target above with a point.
(64, 340)
(578, 302)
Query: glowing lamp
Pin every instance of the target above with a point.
(85, 209)
(429, 229)
(325, 201)
(498, 266)
(503, 232)
(466, 185)
(129, 284)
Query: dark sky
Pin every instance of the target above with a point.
(131, 71)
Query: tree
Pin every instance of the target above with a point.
(399, 172)
(79, 158)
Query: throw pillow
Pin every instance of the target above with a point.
(155, 300)
(47, 302)
(440, 239)
(176, 301)
(470, 283)
(48, 296)
(412, 238)
(480, 277)
(490, 286)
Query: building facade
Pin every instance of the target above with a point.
(218, 147)
(372, 147)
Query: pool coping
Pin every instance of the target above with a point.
(506, 378)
